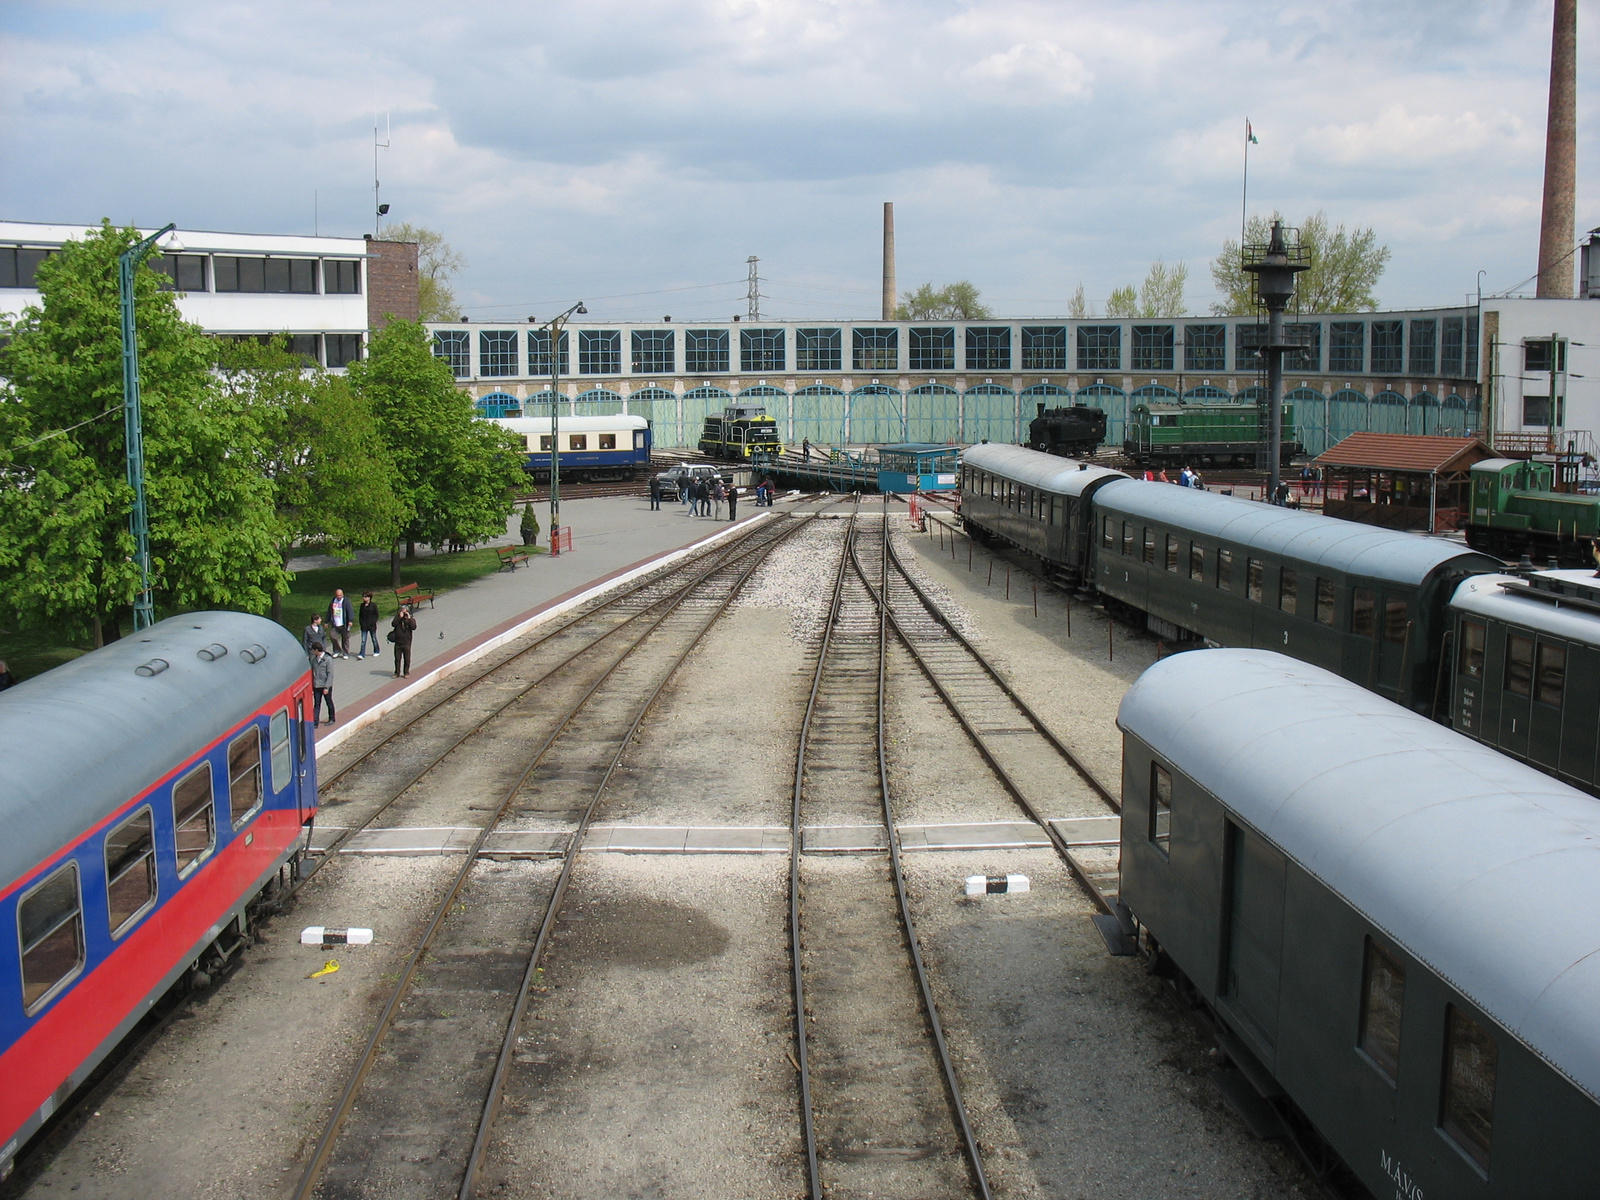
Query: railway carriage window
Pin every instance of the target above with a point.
(1325, 596)
(1161, 807)
(1197, 561)
(1106, 539)
(1519, 665)
(1363, 612)
(194, 818)
(546, 441)
(244, 775)
(279, 736)
(1225, 570)
(50, 928)
(1288, 591)
(1172, 552)
(1127, 539)
(1467, 1111)
(1383, 994)
(577, 441)
(1253, 573)
(1470, 662)
(1394, 621)
(131, 869)
(608, 441)
(1550, 675)
(1149, 545)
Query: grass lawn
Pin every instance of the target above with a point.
(28, 654)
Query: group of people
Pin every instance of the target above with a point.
(1188, 477)
(703, 496)
(326, 640)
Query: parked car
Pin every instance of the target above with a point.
(673, 479)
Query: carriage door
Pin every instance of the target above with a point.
(1393, 615)
(1516, 692)
(303, 752)
(1253, 945)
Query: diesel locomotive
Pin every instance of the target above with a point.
(1172, 435)
(1344, 890)
(153, 791)
(741, 430)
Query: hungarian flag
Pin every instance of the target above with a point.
(1250, 135)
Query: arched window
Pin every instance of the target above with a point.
(1426, 407)
(818, 414)
(1153, 393)
(933, 414)
(1453, 416)
(499, 404)
(1389, 413)
(875, 415)
(1347, 414)
(1252, 395)
(1310, 416)
(597, 402)
(1206, 393)
(698, 404)
(1113, 402)
(989, 413)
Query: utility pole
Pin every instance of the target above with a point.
(553, 331)
(753, 290)
(378, 209)
(128, 262)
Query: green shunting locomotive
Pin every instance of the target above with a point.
(741, 430)
(1170, 435)
(1516, 510)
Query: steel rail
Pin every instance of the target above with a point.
(803, 1063)
(325, 1144)
(968, 1138)
(491, 1105)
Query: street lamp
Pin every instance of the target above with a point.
(1275, 266)
(128, 262)
(553, 331)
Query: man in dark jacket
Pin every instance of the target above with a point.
(401, 630)
(655, 494)
(314, 635)
(367, 618)
(733, 503)
(321, 685)
(341, 617)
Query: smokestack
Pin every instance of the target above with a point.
(1560, 157)
(888, 258)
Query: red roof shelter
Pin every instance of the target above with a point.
(1401, 480)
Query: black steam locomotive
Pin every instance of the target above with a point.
(1067, 431)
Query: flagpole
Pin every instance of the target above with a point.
(1244, 196)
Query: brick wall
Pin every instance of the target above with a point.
(391, 283)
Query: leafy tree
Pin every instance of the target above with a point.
(1345, 267)
(953, 302)
(437, 264)
(1123, 302)
(317, 445)
(1078, 307)
(1160, 295)
(64, 496)
(454, 472)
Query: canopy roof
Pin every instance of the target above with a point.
(1405, 452)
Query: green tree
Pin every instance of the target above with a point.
(64, 496)
(1160, 295)
(455, 473)
(330, 472)
(1078, 307)
(1123, 302)
(1345, 267)
(437, 264)
(953, 302)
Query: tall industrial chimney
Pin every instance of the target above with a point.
(1560, 158)
(888, 258)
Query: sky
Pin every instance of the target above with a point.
(634, 155)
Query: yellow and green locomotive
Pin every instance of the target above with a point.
(741, 431)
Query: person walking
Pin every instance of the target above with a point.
(367, 618)
(402, 627)
(655, 494)
(686, 493)
(805, 448)
(733, 503)
(321, 685)
(340, 618)
(718, 495)
(314, 635)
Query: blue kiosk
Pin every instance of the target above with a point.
(917, 467)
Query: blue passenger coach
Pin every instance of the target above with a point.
(597, 448)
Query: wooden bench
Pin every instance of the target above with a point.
(413, 595)
(510, 556)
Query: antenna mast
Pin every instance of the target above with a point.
(753, 291)
(377, 207)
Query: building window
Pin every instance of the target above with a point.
(1099, 347)
(1470, 660)
(50, 928)
(1197, 562)
(130, 870)
(1149, 545)
(1247, 343)
(577, 441)
(1424, 347)
(291, 275)
(1467, 1109)
(452, 346)
(1172, 553)
(497, 352)
(988, 349)
(194, 818)
(1044, 347)
(1550, 674)
(345, 348)
(1536, 356)
(1325, 598)
(1288, 591)
(244, 776)
(1536, 411)
(1253, 574)
(654, 352)
(761, 349)
(277, 275)
(539, 352)
(1383, 994)
(182, 272)
(1152, 347)
(705, 351)
(1388, 338)
(1205, 347)
(875, 349)
(341, 277)
(818, 350)
(1346, 346)
(599, 352)
(1307, 353)
(1160, 830)
(18, 265)
(1225, 570)
(933, 349)
(1363, 612)
(1471, 371)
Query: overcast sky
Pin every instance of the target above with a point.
(635, 154)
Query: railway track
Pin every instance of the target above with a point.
(454, 1013)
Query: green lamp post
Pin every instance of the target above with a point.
(128, 262)
(553, 328)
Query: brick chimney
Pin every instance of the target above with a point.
(1556, 255)
(392, 283)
